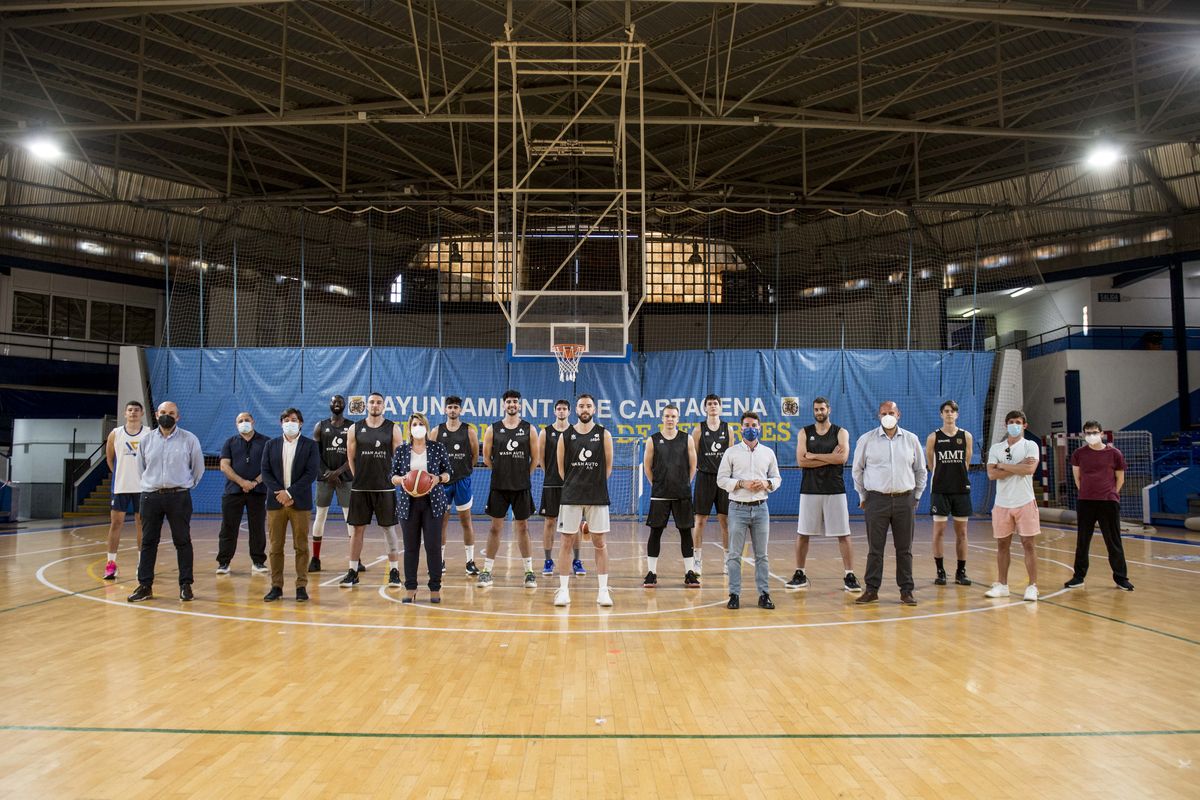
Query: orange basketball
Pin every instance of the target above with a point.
(418, 482)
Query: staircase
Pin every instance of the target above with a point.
(95, 504)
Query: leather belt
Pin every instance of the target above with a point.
(171, 490)
(894, 494)
(748, 502)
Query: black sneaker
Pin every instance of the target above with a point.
(362, 567)
(799, 581)
(650, 581)
(691, 580)
(351, 579)
(185, 592)
(1075, 583)
(1125, 584)
(142, 592)
(301, 594)
(276, 593)
(850, 583)
(471, 568)
(734, 602)
(393, 577)
(960, 577)
(314, 564)
(764, 601)
(940, 580)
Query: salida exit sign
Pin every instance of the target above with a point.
(1108, 297)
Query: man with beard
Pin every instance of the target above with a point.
(508, 449)
(585, 460)
(670, 465)
(370, 445)
(552, 486)
(335, 478)
(462, 445)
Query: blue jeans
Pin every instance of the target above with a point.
(755, 522)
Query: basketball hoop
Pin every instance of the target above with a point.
(567, 356)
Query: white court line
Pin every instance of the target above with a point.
(70, 546)
(563, 615)
(59, 529)
(1131, 561)
(338, 579)
(41, 576)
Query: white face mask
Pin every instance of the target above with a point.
(291, 428)
(245, 427)
(1092, 438)
(888, 421)
(418, 431)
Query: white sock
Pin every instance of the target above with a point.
(653, 562)
(354, 565)
(849, 571)
(470, 548)
(488, 563)
(529, 564)
(603, 581)
(112, 557)
(689, 564)
(318, 530)
(564, 581)
(393, 564)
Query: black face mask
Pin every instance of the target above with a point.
(166, 421)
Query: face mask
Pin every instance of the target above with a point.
(166, 421)
(888, 421)
(750, 434)
(245, 427)
(1014, 429)
(291, 428)
(1092, 438)
(419, 431)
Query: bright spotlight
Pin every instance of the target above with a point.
(45, 149)
(1103, 156)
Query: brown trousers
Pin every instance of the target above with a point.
(277, 524)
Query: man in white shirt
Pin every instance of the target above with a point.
(889, 475)
(749, 472)
(1011, 464)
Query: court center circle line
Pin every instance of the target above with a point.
(439, 607)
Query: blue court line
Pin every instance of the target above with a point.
(1169, 540)
(53, 528)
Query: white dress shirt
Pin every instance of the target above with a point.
(289, 455)
(740, 463)
(889, 464)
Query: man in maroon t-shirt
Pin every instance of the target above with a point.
(1099, 471)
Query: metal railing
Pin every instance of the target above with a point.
(60, 348)
(1103, 337)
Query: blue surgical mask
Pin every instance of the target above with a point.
(245, 427)
(291, 428)
(1014, 429)
(750, 434)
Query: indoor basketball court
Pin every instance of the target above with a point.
(734, 216)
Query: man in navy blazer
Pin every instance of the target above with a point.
(290, 464)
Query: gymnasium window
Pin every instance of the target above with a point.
(69, 317)
(108, 322)
(687, 271)
(31, 313)
(468, 273)
(396, 295)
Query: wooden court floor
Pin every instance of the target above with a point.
(496, 693)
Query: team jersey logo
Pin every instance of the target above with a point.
(338, 441)
(585, 454)
(512, 444)
(458, 447)
(716, 447)
(377, 443)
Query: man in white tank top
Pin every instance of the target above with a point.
(121, 451)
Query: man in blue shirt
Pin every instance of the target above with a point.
(241, 463)
(172, 465)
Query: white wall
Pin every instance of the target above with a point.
(1045, 309)
(1146, 303)
(41, 445)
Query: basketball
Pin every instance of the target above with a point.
(418, 482)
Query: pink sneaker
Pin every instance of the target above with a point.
(110, 571)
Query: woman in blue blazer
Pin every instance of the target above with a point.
(421, 517)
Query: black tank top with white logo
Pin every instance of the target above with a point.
(332, 438)
(550, 458)
(669, 467)
(950, 463)
(458, 447)
(373, 457)
(829, 479)
(512, 453)
(712, 447)
(585, 478)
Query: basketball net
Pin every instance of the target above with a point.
(567, 356)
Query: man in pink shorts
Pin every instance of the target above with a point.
(1011, 464)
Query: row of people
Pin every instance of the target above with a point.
(363, 463)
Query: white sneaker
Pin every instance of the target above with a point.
(222, 569)
(562, 597)
(697, 569)
(604, 598)
(1031, 592)
(259, 568)
(998, 590)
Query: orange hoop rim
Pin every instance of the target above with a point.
(567, 350)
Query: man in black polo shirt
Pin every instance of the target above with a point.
(241, 463)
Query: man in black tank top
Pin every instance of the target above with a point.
(330, 435)
(822, 450)
(585, 460)
(552, 486)
(711, 439)
(369, 449)
(670, 465)
(462, 445)
(509, 451)
(948, 453)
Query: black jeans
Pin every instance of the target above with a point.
(176, 508)
(421, 524)
(897, 512)
(255, 506)
(1088, 513)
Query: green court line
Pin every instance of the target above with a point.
(606, 736)
(1121, 621)
(51, 599)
